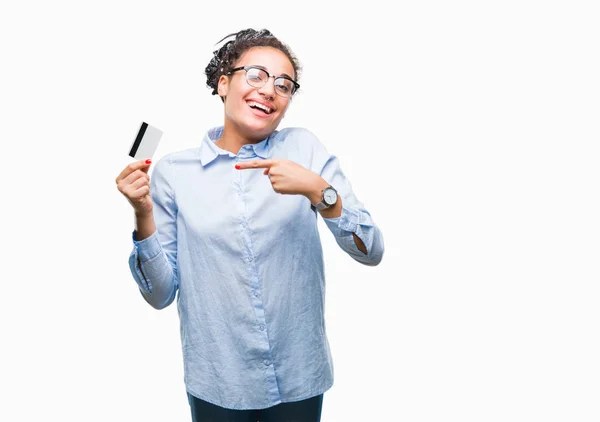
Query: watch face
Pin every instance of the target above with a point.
(330, 196)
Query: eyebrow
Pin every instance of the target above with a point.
(265, 69)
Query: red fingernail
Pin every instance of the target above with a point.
(148, 161)
(237, 166)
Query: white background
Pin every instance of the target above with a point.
(469, 129)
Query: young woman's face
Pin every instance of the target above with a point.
(241, 98)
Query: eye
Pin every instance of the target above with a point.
(255, 75)
(283, 85)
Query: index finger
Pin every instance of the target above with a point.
(254, 164)
(143, 165)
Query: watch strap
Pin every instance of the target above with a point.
(320, 206)
(323, 205)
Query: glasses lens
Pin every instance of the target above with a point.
(284, 87)
(256, 77)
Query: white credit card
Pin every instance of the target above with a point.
(145, 142)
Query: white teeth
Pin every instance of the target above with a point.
(261, 106)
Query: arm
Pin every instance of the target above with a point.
(153, 260)
(353, 228)
(350, 223)
(333, 212)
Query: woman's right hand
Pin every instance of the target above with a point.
(134, 184)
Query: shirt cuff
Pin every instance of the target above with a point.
(347, 222)
(147, 248)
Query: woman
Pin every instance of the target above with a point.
(232, 226)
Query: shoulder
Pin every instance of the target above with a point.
(295, 134)
(168, 163)
(298, 138)
(179, 157)
(303, 147)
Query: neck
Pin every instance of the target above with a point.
(232, 140)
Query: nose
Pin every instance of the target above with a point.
(268, 89)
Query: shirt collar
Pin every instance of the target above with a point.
(209, 151)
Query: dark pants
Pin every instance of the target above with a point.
(308, 410)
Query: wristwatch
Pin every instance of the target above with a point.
(329, 197)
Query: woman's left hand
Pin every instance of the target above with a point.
(288, 177)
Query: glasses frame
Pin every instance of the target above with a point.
(247, 68)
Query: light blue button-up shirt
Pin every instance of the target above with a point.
(248, 265)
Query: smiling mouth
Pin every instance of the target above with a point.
(261, 107)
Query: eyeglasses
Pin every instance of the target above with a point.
(257, 77)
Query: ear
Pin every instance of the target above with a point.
(223, 86)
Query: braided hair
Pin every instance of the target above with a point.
(225, 57)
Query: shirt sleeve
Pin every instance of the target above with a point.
(153, 261)
(355, 218)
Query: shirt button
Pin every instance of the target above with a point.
(267, 362)
(262, 327)
(255, 294)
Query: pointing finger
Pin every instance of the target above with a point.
(254, 164)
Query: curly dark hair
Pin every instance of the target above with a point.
(225, 57)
